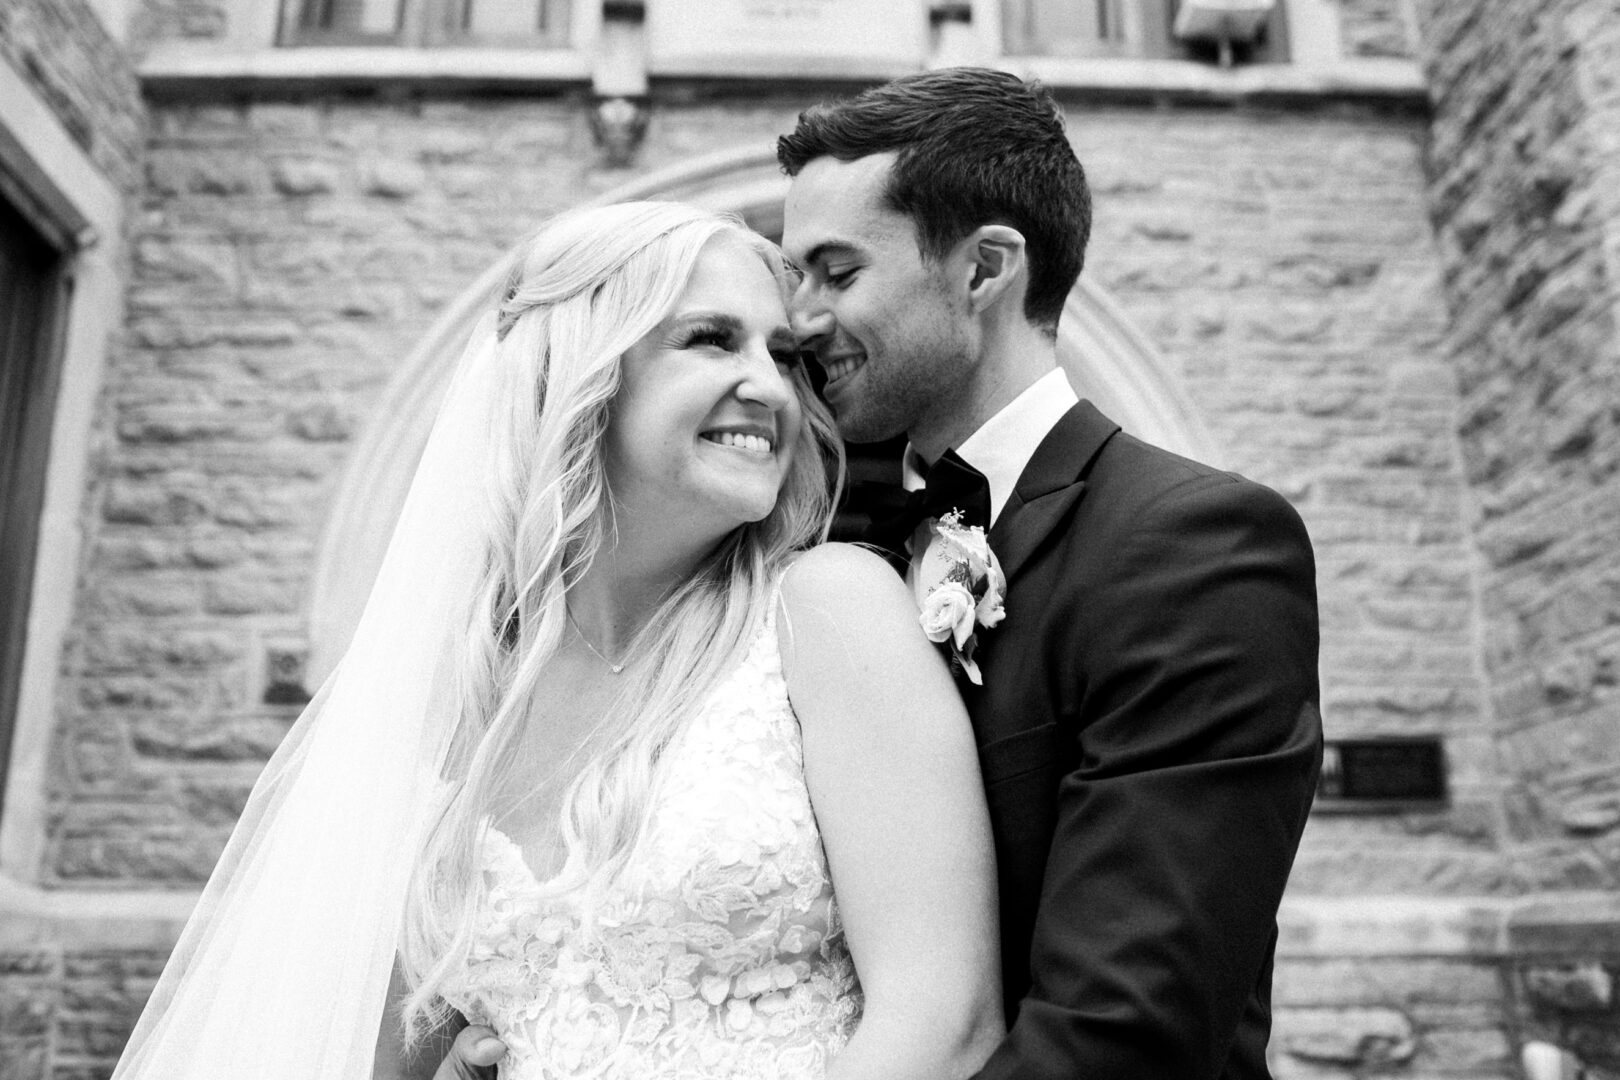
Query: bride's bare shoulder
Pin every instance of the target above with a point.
(838, 568)
(843, 598)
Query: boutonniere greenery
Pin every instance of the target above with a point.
(959, 586)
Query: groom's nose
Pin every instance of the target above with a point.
(809, 318)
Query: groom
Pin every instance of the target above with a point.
(1147, 720)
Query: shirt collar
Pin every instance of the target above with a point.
(1003, 445)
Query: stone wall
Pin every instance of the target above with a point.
(66, 1013)
(288, 254)
(1342, 1018)
(1284, 262)
(63, 52)
(1522, 192)
(1523, 165)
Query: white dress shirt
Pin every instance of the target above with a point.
(1003, 445)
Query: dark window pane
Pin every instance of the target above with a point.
(515, 22)
(31, 289)
(346, 21)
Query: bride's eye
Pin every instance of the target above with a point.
(707, 336)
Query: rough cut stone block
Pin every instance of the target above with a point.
(1577, 987)
(38, 963)
(1463, 1051)
(1360, 1038)
(1395, 983)
(23, 1059)
(26, 1008)
(183, 737)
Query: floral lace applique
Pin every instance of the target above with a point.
(719, 956)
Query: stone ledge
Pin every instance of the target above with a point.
(1580, 924)
(1371, 926)
(1310, 926)
(1367, 926)
(1395, 82)
(180, 69)
(34, 918)
(177, 69)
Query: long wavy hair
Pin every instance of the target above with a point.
(585, 288)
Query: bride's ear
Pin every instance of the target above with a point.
(996, 261)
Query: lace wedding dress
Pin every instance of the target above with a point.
(719, 955)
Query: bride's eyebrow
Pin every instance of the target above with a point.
(720, 320)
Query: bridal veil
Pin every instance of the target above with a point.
(283, 968)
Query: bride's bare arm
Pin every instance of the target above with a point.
(893, 776)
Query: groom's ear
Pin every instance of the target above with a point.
(995, 260)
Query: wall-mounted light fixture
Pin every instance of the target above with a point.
(955, 39)
(1224, 22)
(620, 107)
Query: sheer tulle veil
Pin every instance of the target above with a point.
(283, 968)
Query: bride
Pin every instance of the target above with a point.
(610, 732)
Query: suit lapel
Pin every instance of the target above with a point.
(1050, 485)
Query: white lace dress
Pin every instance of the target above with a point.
(719, 955)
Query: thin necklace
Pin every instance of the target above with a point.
(611, 666)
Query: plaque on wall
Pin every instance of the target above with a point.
(851, 38)
(1382, 774)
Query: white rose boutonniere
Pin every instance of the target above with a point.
(959, 587)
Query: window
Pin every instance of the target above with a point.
(1120, 28)
(1078, 27)
(33, 288)
(497, 23)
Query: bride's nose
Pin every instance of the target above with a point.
(763, 382)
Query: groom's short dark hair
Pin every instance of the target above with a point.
(974, 146)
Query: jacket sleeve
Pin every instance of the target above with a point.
(1191, 678)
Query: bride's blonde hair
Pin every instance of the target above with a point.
(584, 289)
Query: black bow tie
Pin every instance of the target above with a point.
(952, 485)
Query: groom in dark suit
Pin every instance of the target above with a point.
(1147, 721)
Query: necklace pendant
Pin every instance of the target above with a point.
(613, 668)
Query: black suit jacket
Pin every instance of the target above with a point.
(1149, 737)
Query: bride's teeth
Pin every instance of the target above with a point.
(757, 443)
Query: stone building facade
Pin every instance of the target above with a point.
(1376, 270)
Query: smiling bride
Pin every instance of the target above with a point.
(624, 764)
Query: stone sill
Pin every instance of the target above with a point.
(1392, 926)
(1309, 927)
(1398, 82)
(1576, 925)
(180, 69)
(32, 918)
(1582, 926)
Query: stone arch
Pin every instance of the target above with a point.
(1107, 358)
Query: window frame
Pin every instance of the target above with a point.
(80, 211)
(428, 24)
(1145, 33)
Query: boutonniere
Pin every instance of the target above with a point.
(959, 586)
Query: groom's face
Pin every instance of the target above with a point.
(878, 315)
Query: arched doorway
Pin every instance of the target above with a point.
(1108, 360)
